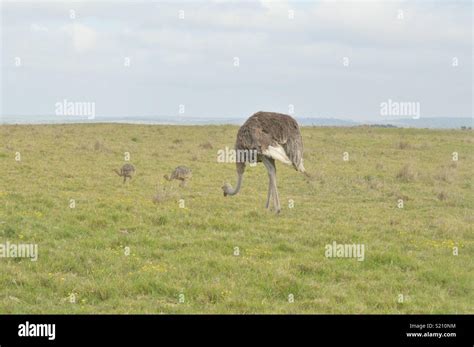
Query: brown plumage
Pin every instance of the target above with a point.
(126, 171)
(181, 173)
(272, 136)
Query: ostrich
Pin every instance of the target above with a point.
(272, 136)
(181, 173)
(127, 170)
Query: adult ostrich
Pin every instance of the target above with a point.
(272, 136)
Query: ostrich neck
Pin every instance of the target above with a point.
(239, 183)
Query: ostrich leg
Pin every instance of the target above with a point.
(275, 191)
(267, 162)
(272, 188)
(269, 194)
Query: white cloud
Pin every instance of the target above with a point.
(38, 28)
(83, 38)
(281, 60)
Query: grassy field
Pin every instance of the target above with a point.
(186, 260)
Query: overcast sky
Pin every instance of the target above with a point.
(397, 50)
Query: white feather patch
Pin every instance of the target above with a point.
(277, 153)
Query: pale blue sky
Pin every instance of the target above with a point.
(283, 61)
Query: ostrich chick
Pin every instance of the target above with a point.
(126, 171)
(181, 173)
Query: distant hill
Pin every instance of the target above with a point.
(433, 123)
(326, 122)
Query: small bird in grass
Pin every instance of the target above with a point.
(181, 173)
(126, 171)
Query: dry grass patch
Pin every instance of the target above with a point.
(407, 173)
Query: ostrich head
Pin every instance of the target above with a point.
(227, 188)
(167, 177)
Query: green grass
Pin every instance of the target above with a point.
(190, 250)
